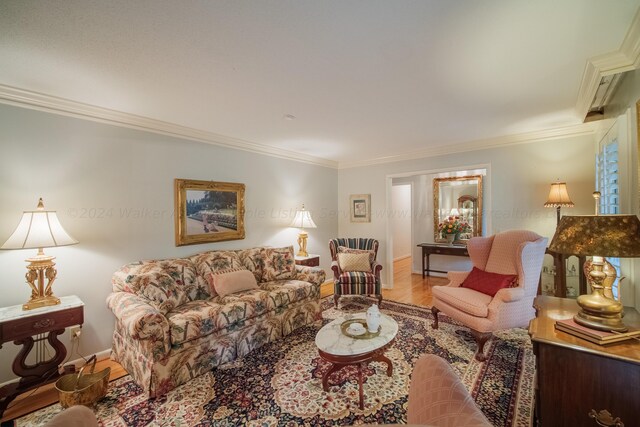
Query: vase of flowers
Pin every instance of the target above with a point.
(451, 228)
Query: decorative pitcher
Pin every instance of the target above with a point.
(373, 318)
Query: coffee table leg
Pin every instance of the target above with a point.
(325, 377)
(360, 380)
(382, 358)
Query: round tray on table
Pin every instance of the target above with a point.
(367, 335)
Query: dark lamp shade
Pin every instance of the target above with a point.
(603, 235)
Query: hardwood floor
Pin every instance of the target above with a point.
(408, 288)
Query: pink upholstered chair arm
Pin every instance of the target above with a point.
(74, 416)
(508, 295)
(336, 269)
(456, 278)
(437, 397)
(141, 324)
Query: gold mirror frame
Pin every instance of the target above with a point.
(477, 218)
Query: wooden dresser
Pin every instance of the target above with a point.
(576, 378)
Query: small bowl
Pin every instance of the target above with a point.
(356, 329)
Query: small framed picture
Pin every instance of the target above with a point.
(360, 206)
(208, 211)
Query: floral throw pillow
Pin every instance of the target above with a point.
(279, 264)
(210, 263)
(159, 289)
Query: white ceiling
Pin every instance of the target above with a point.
(365, 79)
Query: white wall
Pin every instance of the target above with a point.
(518, 181)
(401, 220)
(113, 190)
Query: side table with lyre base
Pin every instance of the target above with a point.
(29, 327)
(341, 350)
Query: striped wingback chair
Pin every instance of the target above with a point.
(517, 253)
(355, 282)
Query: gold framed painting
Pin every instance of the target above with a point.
(208, 211)
(360, 207)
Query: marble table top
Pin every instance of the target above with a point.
(16, 312)
(330, 338)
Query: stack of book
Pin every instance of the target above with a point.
(598, 337)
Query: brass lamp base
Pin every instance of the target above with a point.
(39, 268)
(302, 241)
(39, 302)
(597, 310)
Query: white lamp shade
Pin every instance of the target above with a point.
(303, 220)
(38, 229)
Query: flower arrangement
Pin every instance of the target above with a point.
(454, 225)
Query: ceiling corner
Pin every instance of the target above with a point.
(627, 58)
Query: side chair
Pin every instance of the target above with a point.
(366, 282)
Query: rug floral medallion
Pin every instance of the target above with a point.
(280, 384)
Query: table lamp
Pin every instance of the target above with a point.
(303, 220)
(39, 229)
(558, 198)
(598, 236)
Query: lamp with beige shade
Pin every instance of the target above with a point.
(39, 229)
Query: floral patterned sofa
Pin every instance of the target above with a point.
(172, 326)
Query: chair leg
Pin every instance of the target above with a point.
(380, 301)
(336, 297)
(435, 312)
(481, 338)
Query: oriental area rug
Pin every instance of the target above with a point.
(280, 383)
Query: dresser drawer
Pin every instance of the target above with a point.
(22, 328)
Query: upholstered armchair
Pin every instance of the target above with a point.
(506, 265)
(355, 282)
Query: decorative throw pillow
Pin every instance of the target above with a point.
(279, 264)
(160, 290)
(354, 262)
(488, 283)
(211, 263)
(234, 281)
(253, 260)
(346, 250)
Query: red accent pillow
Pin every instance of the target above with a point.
(488, 283)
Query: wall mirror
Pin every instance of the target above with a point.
(459, 196)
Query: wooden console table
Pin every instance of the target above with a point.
(439, 249)
(26, 327)
(577, 379)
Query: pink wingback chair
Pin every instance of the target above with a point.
(516, 252)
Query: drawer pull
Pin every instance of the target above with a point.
(605, 419)
(43, 323)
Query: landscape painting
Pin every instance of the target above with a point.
(208, 211)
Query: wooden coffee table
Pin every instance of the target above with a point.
(341, 350)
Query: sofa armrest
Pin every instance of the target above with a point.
(376, 268)
(142, 325)
(456, 278)
(314, 275)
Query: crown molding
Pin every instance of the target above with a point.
(581, 129)
(52, 104)
(627, 58)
